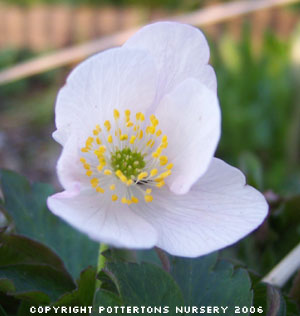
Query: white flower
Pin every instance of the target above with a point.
(139, 126)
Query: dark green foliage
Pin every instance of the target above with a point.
(204, 281)
(256, 95)
(26, 205)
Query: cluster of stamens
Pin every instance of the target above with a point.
(127, 157)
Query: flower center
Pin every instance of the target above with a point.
(126, 158)
(130, 163)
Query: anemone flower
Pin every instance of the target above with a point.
(139, 126)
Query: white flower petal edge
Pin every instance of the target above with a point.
(101, 219)
(191, 115)
(117, 78)
(219, 210)
(69, 168)
(180, 51)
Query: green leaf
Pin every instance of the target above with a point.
(21, 259)
(16, 249)
(142, 285)
(2, 311)
(84, 293)
(271, 300)
(204, 281)
(252, 168)
(9, 303)
(78, 299)
(39, 283)
(148, 255)
(26, 204)
(104, 299)
(6, 286)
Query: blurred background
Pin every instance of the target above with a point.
(257, 60)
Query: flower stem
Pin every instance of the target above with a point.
(163, 259)
(280, 274)
(101, 262)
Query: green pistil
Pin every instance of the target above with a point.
(129, 162)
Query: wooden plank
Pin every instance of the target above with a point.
(36, 30)
(13, 24)
(61, 26)
(106, 21)
(206, 16)
(82, 24)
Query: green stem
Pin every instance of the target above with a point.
(101, 262)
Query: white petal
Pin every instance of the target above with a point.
(218, 211)
(103, 220)
(117, 78)
(190, 117)
(69, 168)
(180, 52)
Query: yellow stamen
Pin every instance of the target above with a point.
(129, 182)
(82, 160)
(158, 133)
(107, 125)
(163, 175)
(123, 137)
(160, 184)
(121, 176)
(89, 141)
(116, 114)
(100, 167)
(142, 175)
(107, 172)
(100, 190)
(118, 173)
(141, 134)
(163, 160)
(153, 172)
(109, 138)
(150, 130)
(87, 166)
(100, 151)
(149, 142)
(112, 187)
(114, 197)
(132, 139)
(94, 182)
(129, 124)
(148, 198)
(164, 145)
(89, 173)
(148, 191)
(97, 130)
(170, 166)
(134, 199)
(155, 122)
